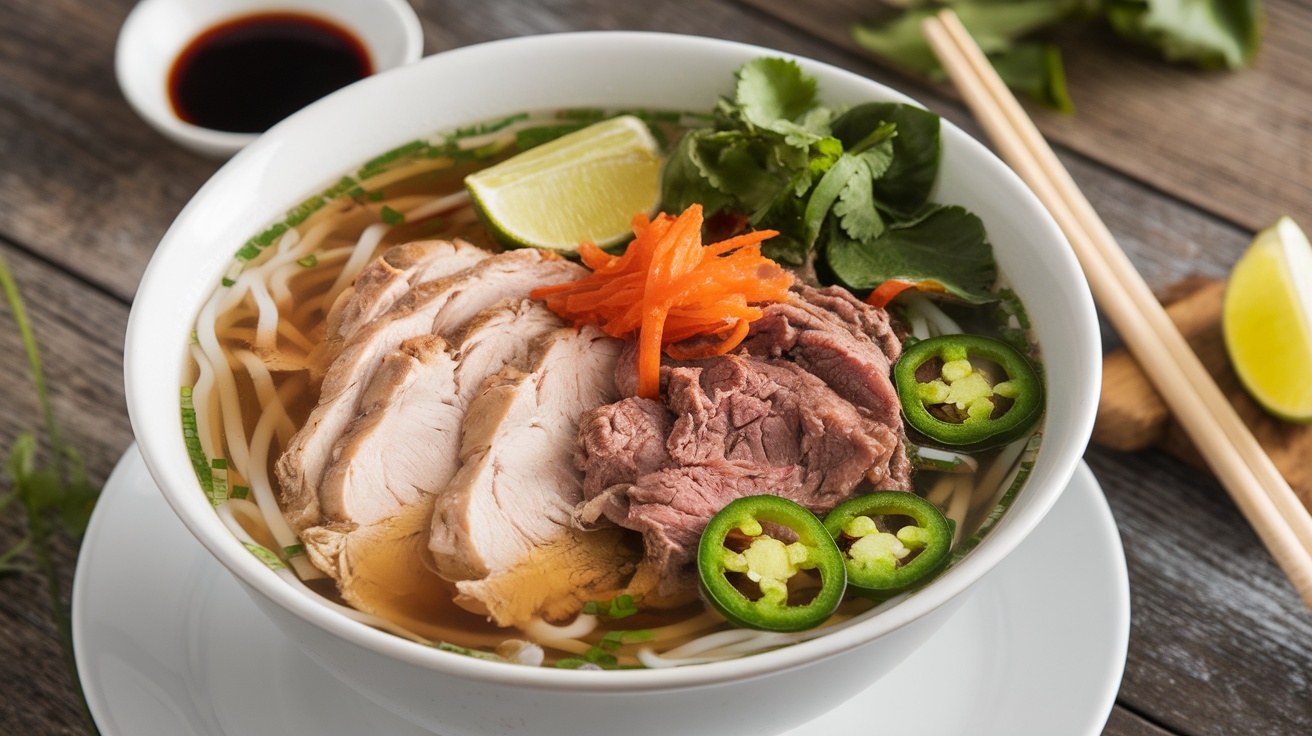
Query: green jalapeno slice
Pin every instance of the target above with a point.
(952, 391)
(890, 540)
(757, 580)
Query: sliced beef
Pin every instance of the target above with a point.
(846, 343)
(504, 526)
(442, 307)
(729, 427)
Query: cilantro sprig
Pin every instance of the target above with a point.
(847, 190)
(52, 497)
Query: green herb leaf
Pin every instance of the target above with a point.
(1209, 33)
(946, 249)
(826, 193)
(774, 94)
(9, 564)
(904, 187)
(1036, 70)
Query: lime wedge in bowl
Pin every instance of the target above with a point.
(584, 186)
(1267, 320)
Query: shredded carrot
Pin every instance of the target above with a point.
(881, 296)
(668, 288)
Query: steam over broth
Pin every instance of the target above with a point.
(258, 364)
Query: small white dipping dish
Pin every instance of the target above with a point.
(157, 31)
(456, 695)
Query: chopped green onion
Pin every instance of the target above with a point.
(240, 492)
(227, 281)
(378, 164)
(309, 261)
(525, 139)
(293, 550)
(266, 238)
(391, 216)
(621, 606)
(264, 555)
(199, 463)
(444, 646)
(375, 196)
(219, 486)
(485, 128)
(301, 212)
(1025, 467)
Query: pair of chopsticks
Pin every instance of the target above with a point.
(1226, 443)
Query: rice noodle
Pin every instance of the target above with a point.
(364, 251)
(226, 384)
(202, 396)
(581, 626)
(945, 456)
(258, 476)
(734, 643)
(438, 206)
(993, 477)
(959, 507)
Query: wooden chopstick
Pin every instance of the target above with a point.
(1225, 442)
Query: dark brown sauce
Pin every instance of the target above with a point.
(246, 74)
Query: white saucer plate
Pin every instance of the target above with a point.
(167, 643)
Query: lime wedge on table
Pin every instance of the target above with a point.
(1268, 320)
(586, 185)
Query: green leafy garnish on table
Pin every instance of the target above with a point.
(848, 190)
(52, 496)
(1220, 34)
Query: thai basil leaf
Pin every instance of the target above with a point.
(946, 250)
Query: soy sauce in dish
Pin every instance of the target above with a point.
(246, 74)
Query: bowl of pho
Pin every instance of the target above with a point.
(599, 381)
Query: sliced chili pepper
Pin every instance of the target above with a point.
(962, 405)
(748, 575)
(891, 540)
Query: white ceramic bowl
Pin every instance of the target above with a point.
(460, 696)
(157, 31)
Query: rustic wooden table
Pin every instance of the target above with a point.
(1184, 165)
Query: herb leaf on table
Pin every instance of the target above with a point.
(847, 189)
(1208, 33)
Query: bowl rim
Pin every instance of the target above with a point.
(1051, 473)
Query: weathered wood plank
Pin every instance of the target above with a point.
(1122, 722)
(1219, 641)
(80, 332)
(1238, 145)
(85, 182)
